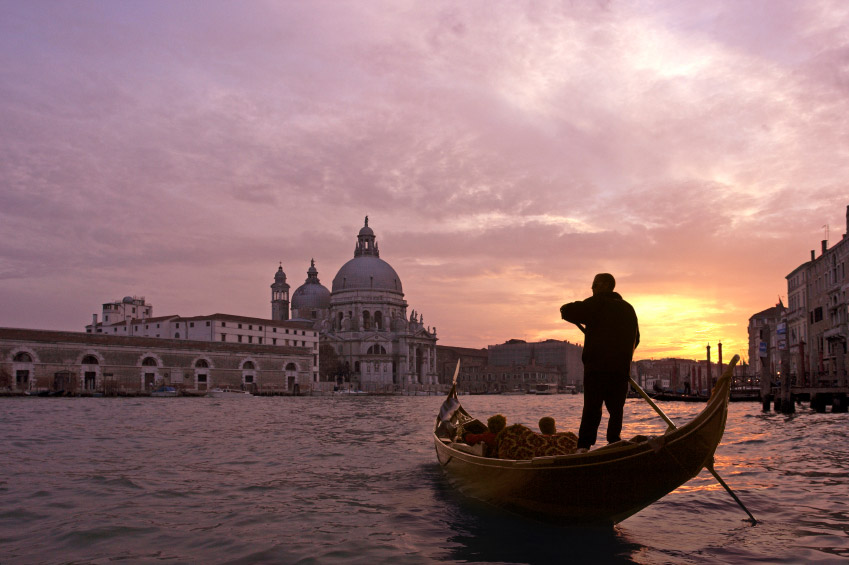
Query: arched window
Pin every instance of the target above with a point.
(90, 360)
(291, 367)
(248, 366)
(149, 362)
(366, 320)
(376, 349)
(23, 357)
(201, 364)
(177, 335)
(378, 320)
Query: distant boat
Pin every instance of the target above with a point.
(227, 393)
(679, 397)
(350, 392)
(570, 389)
(745, 394)
(164, 391)
(544, 388)
(602, 486)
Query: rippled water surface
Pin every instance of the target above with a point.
(355, 480)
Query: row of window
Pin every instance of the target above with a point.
(504, 376)
(24, 357)
(259, 328)
(223, 325)
(240, 339)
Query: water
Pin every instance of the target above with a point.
(355, 480)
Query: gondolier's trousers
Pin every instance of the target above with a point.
(610, 389)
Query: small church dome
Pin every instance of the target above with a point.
(312, 294)
(280, 276)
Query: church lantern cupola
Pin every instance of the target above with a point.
(366, 244)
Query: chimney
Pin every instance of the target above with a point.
(824, 246)
(813, 254)
(94, 320)
(847, 221)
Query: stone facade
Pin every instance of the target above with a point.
(808, 339)
(482, 379)
(364, 319)
(447, 357)
(764, 343)
(564, 355)
(219, 328)
(80, 363)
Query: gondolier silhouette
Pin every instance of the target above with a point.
(612, 334)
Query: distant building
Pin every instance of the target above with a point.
(364, 318)
(120, 319)
(447, 357)
(765, 343)
(506, 378)
(808, 339)
(686, 376)
(88, 363)
(563, 355)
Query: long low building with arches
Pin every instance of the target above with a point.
(83, 363)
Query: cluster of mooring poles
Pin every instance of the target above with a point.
(792, 389)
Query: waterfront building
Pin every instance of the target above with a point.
(89, 363)
(827, 315)
(685, 376)
(494, 379)
(563, 355)
(448, 355)
(766, 343)
(119, 320)
(808, 339)
(364, 319)
(796, 321)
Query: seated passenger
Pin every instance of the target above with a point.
(494, 425)
(547, 426)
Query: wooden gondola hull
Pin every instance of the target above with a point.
(603, 486)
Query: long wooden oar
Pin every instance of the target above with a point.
(709, 466)
(672, 426)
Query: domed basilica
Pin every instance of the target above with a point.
(364, 318)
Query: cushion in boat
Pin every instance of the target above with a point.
(520, 442)
(479, 449)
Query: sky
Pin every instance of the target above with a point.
(505, 152)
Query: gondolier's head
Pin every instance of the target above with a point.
(603, 282)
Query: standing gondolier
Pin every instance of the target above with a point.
(612, 334)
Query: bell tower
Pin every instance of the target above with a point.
(280, 296)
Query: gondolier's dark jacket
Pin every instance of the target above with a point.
(612, 332)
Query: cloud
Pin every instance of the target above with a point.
(504, 156)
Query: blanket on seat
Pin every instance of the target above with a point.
(520, 442)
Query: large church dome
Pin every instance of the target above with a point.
(312, 294)
(367, 271)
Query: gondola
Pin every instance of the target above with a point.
(602, 486)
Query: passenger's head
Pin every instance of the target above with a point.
(547, 426)
(496, 423)
(603, 282)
